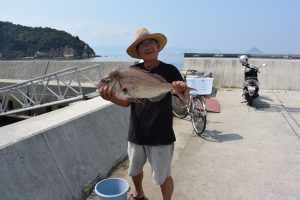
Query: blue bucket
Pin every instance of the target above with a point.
(112, 189)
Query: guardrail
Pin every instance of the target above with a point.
(233, 55)
(59, 87)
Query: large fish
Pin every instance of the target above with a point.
(134, 83)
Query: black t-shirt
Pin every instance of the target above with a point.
(151, 123)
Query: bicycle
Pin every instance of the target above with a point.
(196, 107)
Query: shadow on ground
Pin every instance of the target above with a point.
(218, 136)
(262, 104)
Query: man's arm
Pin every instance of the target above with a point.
(108, 94)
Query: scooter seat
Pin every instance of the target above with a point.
(251, 78)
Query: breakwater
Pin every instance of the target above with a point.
(61, 154)
(279, 74)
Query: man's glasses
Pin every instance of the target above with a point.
(147, 43)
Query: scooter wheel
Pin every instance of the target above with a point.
(250, 101)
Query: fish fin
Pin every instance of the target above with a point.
(135, 100)
(132, 99)
(157, 76)
(138, 68)
(190, 89)
(182, 97)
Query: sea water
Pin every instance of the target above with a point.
(175, 59)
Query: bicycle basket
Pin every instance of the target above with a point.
(202, 86)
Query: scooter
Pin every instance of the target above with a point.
(251, 83)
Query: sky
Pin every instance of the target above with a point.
(226, 26)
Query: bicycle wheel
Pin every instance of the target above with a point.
(179, 108)
(199, 115)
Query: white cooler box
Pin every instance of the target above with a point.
(202, 85)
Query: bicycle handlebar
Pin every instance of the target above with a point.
(190, 72)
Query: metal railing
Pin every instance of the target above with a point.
(233, 55)
(55, 88)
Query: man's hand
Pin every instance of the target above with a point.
(106, 93)
(182, 90)
(179, 86)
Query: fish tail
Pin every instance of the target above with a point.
(190, 89)
(184, 99)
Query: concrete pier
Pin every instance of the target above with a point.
(63, 153)
(246, 153)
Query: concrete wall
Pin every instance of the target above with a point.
(279, 74)
(19, 71)
(22, 70)
(62, 154)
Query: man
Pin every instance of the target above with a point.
(151, 134)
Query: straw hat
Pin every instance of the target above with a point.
(144, 34)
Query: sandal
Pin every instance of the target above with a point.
(131, 197)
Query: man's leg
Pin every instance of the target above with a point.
(167, 188)
(138, 184)
(160, 158)
(137, 160)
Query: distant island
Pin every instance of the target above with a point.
(255, 50)
(17, 41)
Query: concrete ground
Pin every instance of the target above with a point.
(246, 153)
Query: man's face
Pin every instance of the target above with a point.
(148, 50)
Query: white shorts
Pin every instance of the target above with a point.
(160, 159)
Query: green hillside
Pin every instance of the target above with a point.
(22, 41)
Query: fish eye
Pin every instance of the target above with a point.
(106, 80)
